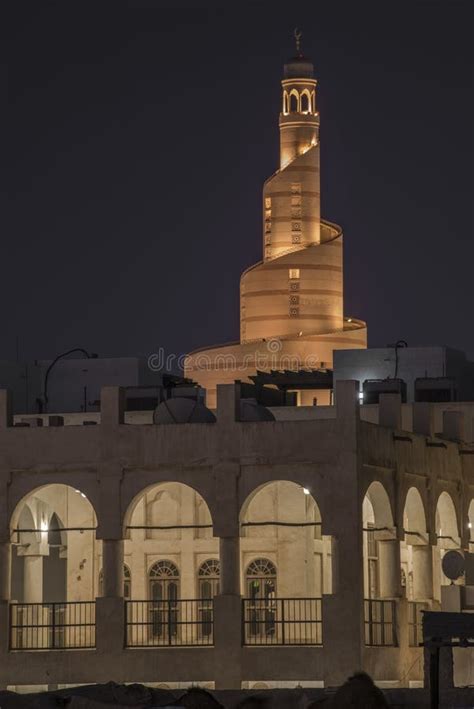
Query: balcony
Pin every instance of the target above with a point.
(282, 621)
(52, 626)
(170, 623)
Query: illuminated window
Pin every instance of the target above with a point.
(268, 226)
(268, 202)
(294, 101)
(296, 188)
(294, 273)
(268, 239)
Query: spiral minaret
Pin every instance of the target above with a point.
(291, 303)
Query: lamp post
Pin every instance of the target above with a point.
(86, 354)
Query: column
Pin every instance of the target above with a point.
(112, 568)
(422, 567)
(35, 615)
(229, 553)
(5, 590)
(389, 568)
(5, 570)
(227, 617)
(110, 610)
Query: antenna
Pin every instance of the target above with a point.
(298, 34)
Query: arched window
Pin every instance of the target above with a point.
(208, 581)
(163, 584)
(261, 589)
(127, 582)
(305, 102)
(285, 102)
(261, 579)
(294, 101)
(208, 578)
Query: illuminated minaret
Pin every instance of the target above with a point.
(291, 303)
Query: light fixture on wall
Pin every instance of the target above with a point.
(306, 491)
(44, 526)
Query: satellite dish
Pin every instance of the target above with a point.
(453, 565)
(182, 410)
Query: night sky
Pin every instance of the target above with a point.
(140, 133)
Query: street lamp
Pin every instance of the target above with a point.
(86, 354)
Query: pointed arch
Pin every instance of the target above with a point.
(294, 101)
(305, 101)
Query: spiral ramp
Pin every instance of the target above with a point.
(291, 303)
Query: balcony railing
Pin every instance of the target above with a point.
(380, 622)
(52, 626)
(282, 621)
(169, 623)
(415, 622)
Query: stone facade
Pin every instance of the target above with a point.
(307, 519)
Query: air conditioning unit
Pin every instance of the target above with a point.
(435, 389)
(372, 389)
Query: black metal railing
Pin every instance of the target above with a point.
(52, 626)
(169, 623)
(415, 622)
(282, 621)
(380, 622)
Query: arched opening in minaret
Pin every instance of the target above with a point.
(305, 101)
(285, 102)
(294, 101)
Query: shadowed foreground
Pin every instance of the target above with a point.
(358, 692)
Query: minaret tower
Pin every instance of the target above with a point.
(299, 120)
(291, 302)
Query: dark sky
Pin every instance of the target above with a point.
(139, 136)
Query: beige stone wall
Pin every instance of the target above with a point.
(339, 459)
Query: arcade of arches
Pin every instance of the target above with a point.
(169, 549)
